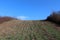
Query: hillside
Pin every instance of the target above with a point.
(29, 30)
(6, 18)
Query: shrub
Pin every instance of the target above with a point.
(54, 17)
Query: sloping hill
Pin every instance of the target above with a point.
(28, 30)
(6, 18)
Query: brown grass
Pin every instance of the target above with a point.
(5, 18)
(30, 30)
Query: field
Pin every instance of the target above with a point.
(29, 30)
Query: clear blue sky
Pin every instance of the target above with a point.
(28, 9)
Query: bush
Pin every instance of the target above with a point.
(54, 17)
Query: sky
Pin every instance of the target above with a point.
(28, 9)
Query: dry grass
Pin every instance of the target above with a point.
(28, 30)
(5, 18)
(12, 29)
